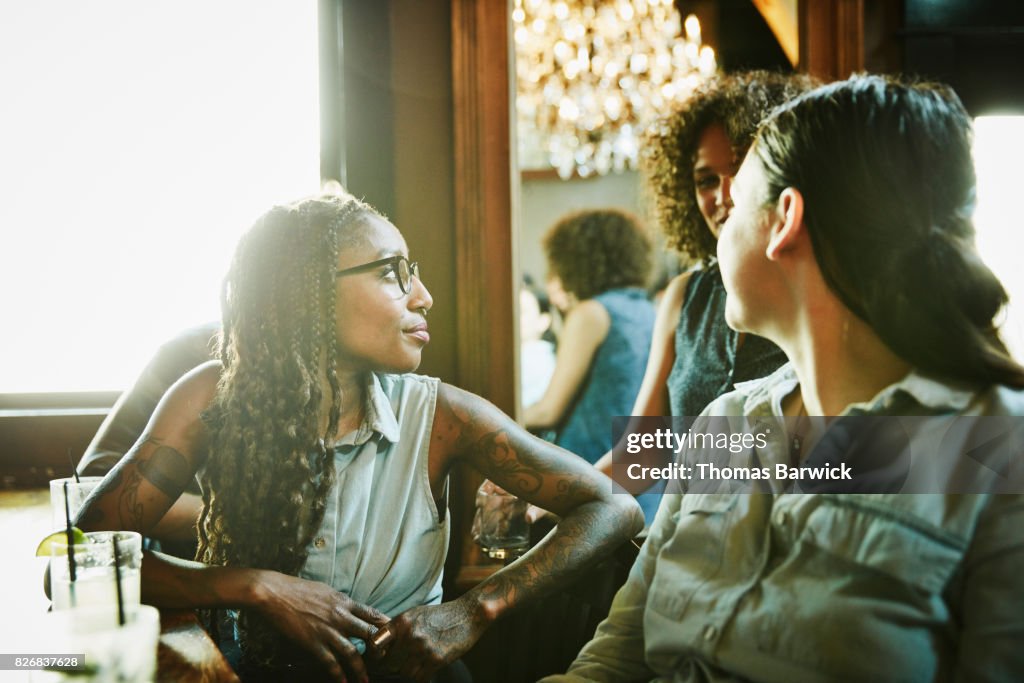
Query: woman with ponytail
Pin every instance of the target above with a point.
(850, 245)
(324, 466)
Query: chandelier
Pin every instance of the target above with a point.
(592, 74)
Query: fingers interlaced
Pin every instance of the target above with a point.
(349, 657)
(330, 663)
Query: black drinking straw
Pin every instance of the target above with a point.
(74, 468)
(71, 544)
(117, 582)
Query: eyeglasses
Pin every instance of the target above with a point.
(399, 265)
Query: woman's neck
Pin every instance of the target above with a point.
(353, 401)
(842, 363)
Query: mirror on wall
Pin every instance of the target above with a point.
(590, 77)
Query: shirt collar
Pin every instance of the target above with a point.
(925, 390)
(380, 417)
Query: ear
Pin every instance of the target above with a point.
(788, 224)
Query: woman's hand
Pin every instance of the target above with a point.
(426, 639)
(320, 619)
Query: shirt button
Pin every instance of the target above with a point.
(710, 632)
(320, 542)
(781, 517)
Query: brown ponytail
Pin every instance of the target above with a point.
(888, 182)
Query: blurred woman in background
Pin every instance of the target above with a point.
(601, 259)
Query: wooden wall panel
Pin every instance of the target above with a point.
(486, 258)
(483, 200)
(831, 38)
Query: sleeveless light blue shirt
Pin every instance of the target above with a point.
(383, 540)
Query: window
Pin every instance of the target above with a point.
(138, 141)
(998, 150)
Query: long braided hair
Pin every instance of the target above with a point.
(268, 471)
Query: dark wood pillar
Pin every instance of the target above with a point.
(831, 38)
(482, 91)
(486, 257)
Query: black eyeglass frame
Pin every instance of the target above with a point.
(393, 261)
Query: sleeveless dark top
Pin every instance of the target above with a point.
(614, 377)
(707, 362)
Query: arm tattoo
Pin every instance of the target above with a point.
(571, 551)
(129, 507)
(591, 528)
(167, 470)
(528, 474)
(572, 490)
(496, 447)
(92, 517)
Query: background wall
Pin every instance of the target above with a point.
(545, 198)
(398, 142)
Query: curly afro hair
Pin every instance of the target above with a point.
(595, 251)
(738, 102)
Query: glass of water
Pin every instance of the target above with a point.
(94, 570)
(111, 653)
(500, 526)
(78, 491)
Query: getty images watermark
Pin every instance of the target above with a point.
(848, 454)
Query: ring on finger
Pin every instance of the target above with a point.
(382, 638)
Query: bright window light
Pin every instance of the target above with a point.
(137, 141)
(998, 148)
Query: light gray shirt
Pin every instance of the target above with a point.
(788, 587)
(383, 540)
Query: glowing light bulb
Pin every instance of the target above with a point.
(592, 75)
(692, 26)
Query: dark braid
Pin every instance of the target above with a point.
(268, 473)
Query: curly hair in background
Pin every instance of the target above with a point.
(738, 102)
(268, 471)
(595, 251)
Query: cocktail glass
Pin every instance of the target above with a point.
(111, 653)
(94, 582)
(78, 491)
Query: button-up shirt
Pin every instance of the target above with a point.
(781, 586)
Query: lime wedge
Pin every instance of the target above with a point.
(60, 539)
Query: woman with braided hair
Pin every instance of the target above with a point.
(324, 465)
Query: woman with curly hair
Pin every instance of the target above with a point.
(324, 465)
(601, 259)
(690, 158)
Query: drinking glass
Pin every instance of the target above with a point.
(112, 653)
(500, 526)
(78, 491)
(94, 570)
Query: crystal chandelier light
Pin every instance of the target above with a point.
(592, 74)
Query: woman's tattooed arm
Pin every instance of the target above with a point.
(594, 520)
(140, 489)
